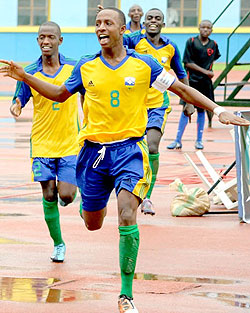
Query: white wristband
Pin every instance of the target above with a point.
(218, 110)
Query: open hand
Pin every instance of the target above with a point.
(12, 70)
(15, 108)
(230, 118)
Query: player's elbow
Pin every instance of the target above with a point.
(61, 94)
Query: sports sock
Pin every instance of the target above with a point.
(181, 127)
(200, 125)
(154, 164)
(128, 248)
(52, 218)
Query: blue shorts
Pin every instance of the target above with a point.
(157, 118)
(123, 165)
(64, 169)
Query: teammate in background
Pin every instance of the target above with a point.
(114, 153)
(199, 56)
(54, 132)
(135, 13)
(167, 53)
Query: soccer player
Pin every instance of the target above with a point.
(166, 52)
(199, 56)
(114, 153)
(135, 13)
(54, 132)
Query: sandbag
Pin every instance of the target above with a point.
(189, 202)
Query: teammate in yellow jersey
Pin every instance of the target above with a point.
(54, 132)
(114, 153)
(166, 52)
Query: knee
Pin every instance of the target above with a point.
(92, 227)
(49, 195)
(67, 198)
(153, 148)
(127, 217)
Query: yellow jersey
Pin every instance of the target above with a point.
(55, 125)
(116, 96)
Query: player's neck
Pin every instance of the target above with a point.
(50, 64)
(134, 26)
(114, 55)
(155, 39)
(203, 40)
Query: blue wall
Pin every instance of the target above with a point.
(22, 47)
(74, 15)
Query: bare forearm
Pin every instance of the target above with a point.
(195, 67)
(191, 95)
(47, 90)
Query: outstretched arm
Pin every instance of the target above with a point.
(166, 81)
(193, 96)
(52, 92)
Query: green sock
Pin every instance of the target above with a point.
(128, 248)
(51, 215)
(154, 164)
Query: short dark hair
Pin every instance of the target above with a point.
(121, 14)
(53, 24)
(155, 9)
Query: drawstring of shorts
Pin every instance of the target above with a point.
(100, 157)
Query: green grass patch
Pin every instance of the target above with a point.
(221, 66)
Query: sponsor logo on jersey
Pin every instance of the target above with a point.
(164, 60)
(129, 81)
(91, 84)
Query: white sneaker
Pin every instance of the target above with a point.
(126, 305)
(58, 253)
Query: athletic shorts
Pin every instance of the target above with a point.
(157, 118)
(205, 87)
(120, 165)
(62, 169)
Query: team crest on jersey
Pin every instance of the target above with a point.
(164, 60)
(210, 51)
(129, 81)
(91, 84)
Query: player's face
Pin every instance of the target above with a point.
(48, 40)
(135, 13)
(154, 22)
(205, 29)
(108, 28)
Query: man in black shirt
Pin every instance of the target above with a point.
(199, 55)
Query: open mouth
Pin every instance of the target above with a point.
(46, 48)
(153, 27)
(103, 39)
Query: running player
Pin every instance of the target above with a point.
(114, 153)
(54, 132)
(166, 52)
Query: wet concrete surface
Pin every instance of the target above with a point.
(190, 264)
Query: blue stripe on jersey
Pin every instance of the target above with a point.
(74, 82)
(131, 40)
(23, 91)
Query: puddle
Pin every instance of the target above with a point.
(236, 300)
(38, 290)
(12, 214)
(200, 280)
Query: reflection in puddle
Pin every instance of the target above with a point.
(239, 301)
(12, 214)
(38, 290)
(200, 280)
